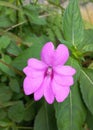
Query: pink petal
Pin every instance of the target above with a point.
(64, 70)
(39, 93)
(48, 93)
(33, 72)
(36, 64)
(63, 80)
(60, 92)
(61, 55)
(32, 84)
(47, 53)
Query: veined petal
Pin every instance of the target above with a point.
(33, 72)
(32, 84)
(60, 92)
(47, 53)
(61, 55)
(64, 70)
(63, 80)
(36, 64)
(48, 93)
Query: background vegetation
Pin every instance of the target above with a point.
(24, 29)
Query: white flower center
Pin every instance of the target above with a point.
(49, 71)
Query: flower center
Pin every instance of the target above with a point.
(49, 72)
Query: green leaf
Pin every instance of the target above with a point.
(71, 113)
(29, 40)
(90, 120)
(4, 123)
(73, 29)
(4, 67)
(74, 63)
(4, 42)
(21, 61)
(16, 112)
(14, 85)
(88, 48)
(5, 22)
(13, 49)
(87, 45)
(86, 85)
(5, 93)
(88, 36)
(90, 66)
(7, 4)
(32, 12)
(37, 20)
(29, 113)
(2, 114)
(51, 35)
(57, 2)
(45, 119)
(14, 127)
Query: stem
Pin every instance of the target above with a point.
(50, 2)
(12, 68)
(14, 26)
(28, 105)
(8, 104)
(25, 128)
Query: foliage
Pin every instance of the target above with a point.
(24, 29)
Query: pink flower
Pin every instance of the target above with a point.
(49, 77)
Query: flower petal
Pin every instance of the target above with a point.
(32, 84)
(47, 53)
(48, 93)
(63, 80)
(61, 55)
(64, 70)
(60, 92)
(36, 64)
(33, 72)
(39, 93)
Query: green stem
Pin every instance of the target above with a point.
(28, 105)
(25, 128)
(57, 5)
(12, 68)
(8, 104)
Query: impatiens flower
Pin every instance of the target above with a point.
(49, 77)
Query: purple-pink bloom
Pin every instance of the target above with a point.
(49, 77)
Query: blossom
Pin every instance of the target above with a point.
(49, 77)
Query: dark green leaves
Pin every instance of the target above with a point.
(72, 24)
(14, 85)
(90, 120)
(45, 119)
(2, 114)
(4, 42)
(13, 49)
(86, 85)
(5, 93)
(16, 112)
(71, 114)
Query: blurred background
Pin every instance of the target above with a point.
(86, 7)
